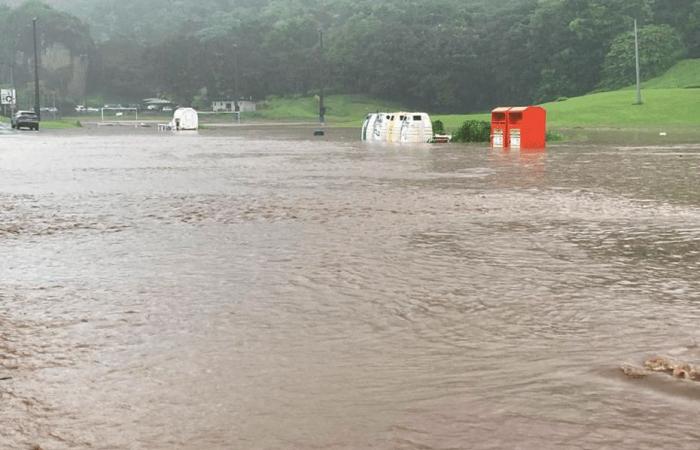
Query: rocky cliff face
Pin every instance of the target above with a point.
(64, 70)
(65, 44)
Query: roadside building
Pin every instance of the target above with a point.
(233, 106)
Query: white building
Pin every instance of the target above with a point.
(230, 106)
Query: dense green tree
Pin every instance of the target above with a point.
(661, 46)
(65, 45)
(572, 37)
(442, 55)
(684, 16)
(119, 70)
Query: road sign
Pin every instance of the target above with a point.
(8, 96)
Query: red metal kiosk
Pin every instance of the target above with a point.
(499, 127)
(519, 127)
(527, 127)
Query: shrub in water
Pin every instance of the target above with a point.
(473, 131)
(438, 127)
(553, 136)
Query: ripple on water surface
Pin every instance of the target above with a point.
(212, 291)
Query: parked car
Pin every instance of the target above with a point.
(25, 119)
(86, 109)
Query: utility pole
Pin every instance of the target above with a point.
(636, 53)
(236, 95)
(321, 104)
(37, 100)
(12, 85)
(235, 72)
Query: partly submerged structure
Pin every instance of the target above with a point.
(185, 119)
(398, 127)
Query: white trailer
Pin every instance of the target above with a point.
(398, 127)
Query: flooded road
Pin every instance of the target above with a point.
(230, 290)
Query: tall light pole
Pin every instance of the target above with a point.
(236, 95)
(321, 104)
(37, 100)
(636, 56)
(235, 72)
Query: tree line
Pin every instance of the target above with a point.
(438, 55)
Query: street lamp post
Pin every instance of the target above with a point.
(236, 95)
(636, 56)
(235, 72)
(37, 100)
(321, 104)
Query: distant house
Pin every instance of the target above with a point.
(232, 106)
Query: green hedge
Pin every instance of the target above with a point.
(473, 131)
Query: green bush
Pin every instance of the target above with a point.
(553, 136)
(438, 127)
(473, 131)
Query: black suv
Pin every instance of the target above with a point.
(25, 119)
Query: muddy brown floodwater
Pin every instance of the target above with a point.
(235, 290)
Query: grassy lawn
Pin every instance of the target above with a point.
(341, 109)
(685, 74)
(662, 108)
(59, 124)
(670, 103)
(47, 124)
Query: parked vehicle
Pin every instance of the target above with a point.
(25, 119)
(86, 109)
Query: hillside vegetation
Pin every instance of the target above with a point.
(669, 101)
(350, 109)
(685, 74)
(440, 55)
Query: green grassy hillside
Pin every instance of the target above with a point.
(669, 102)
(685, 74)
(662, 107)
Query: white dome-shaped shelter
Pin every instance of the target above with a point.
(185, 119)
